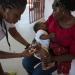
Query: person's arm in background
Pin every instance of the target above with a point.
(15, 34)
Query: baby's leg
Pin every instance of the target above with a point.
(44, 53)
(46, 66)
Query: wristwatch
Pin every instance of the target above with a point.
(27, 46)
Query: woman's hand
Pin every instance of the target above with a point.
(29, 52)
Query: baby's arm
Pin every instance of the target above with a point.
(44, 37)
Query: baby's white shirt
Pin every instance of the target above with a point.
(44, 43)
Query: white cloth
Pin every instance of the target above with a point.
(44, 43)
(8, 25)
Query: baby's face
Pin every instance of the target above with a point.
(43, 26)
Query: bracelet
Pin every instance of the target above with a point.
(27, 46)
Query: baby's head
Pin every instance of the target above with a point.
(40, 26)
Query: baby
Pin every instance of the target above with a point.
(43, 38)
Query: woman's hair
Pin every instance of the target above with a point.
(13, 3)
(68, 4)
(36, 26)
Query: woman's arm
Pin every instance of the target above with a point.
(27, 52)
(15, 34)
(4, 55)
(64, 57)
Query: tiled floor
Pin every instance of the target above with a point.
(26, 30)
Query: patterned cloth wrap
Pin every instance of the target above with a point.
(63, 66)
